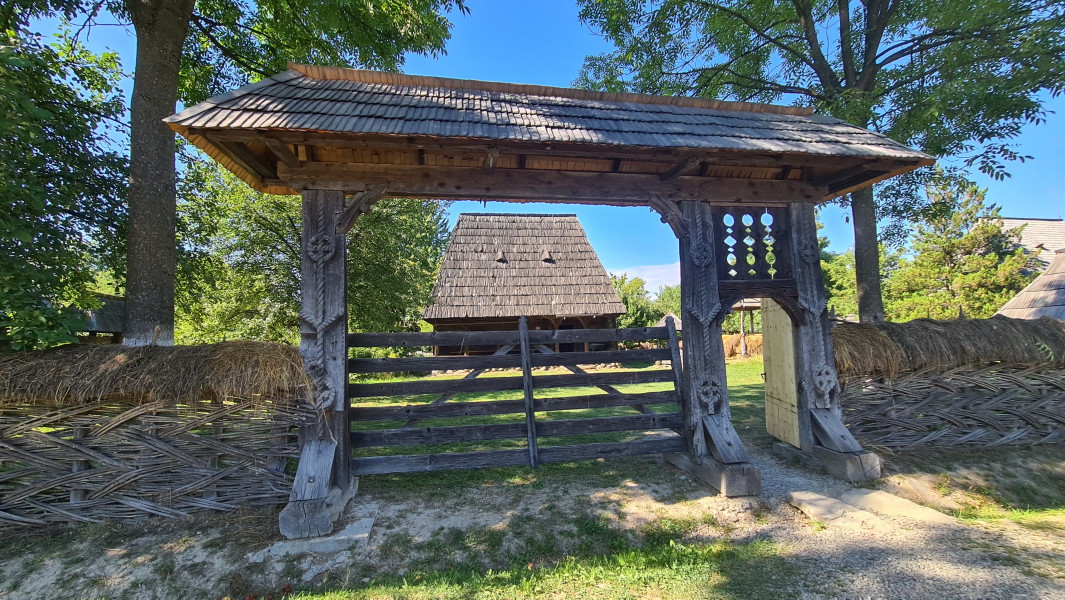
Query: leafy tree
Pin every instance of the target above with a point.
(63, 186)
(240, 268)
(639, 310)
(668, 300)
(952, 77)
(962, 260)
(189, 50)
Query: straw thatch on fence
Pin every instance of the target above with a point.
(887, 349)
(973, 382)
(78, 373)
(95, 432)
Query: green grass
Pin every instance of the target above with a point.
(670, 570)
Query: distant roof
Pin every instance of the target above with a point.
(506, 265)
(339, 101)
(109, 318)
(1040, 237)
(1044, 297)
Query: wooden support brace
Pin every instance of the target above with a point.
(830, 431)
(358, 205)
(723, 442)
(527, 386)
(282, 152)
(679, 169)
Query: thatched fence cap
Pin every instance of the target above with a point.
(887, 349)
(79, 374)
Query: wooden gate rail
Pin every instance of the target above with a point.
(532, 352)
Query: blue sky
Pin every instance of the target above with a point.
(504, 40)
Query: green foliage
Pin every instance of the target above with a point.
(961, 260)
(952, 77)
(63, 187)
(239, 273)
(639, 310)
(232, 41)
(668, 300)
(841, 287)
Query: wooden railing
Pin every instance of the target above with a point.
(523, 350)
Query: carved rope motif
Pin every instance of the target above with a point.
(320, 249)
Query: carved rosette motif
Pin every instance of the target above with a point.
(825, 382)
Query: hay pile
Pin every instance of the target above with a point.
(732, 345)
(887, 349)
(80, 374)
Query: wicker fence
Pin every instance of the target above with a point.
(154, 451)
(988, 406)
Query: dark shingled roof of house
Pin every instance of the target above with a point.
(330, 99)
(1040, 237)
(1044, 297)
(506, 265)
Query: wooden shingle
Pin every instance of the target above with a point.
(474, 283)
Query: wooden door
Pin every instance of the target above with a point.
(781, 374)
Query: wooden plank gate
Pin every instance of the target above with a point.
(538, 414)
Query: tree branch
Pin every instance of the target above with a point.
(820, 65)
(846, 42)
(226, 52)
(760, 32)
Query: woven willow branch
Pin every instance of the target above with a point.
(987, 406)
(116, 459)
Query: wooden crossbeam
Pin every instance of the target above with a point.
(543, 185)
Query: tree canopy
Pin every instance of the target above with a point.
(954, 78)
(64, 184)
(240, 267)
(962, 261)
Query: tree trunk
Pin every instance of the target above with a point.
(867, 257)
(161, 26)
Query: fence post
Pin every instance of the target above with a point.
(526, 377)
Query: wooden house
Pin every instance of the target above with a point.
(499, 267)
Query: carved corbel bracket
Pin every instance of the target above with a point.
(358, 205)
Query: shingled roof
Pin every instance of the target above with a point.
(332, 102)
(1040, 237)
(507, 265)
(1044, 297)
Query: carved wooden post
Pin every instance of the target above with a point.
(715, 451)
(820, 415)
(323, 482)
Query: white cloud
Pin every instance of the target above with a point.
(656, 276)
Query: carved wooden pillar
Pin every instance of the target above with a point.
(715, 451)
(821, 429)
(323, 482)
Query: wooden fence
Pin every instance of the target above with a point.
(524, 430)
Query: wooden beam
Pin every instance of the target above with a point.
(557, 149)
(240, 153)
(359, 205)
(544, 186)
(282, 152)
(680, 168)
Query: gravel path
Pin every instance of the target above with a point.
(904, 559)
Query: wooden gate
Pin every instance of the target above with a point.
(528, 416)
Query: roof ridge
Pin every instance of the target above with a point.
(367, 76)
